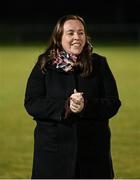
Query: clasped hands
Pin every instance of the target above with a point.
(76, 102)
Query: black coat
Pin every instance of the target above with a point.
(77, 146)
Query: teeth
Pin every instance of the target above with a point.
(77, 45)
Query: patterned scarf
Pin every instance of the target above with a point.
(65, 61)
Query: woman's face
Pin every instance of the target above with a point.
(73, 38)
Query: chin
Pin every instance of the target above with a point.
(76, 52)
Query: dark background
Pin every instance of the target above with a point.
(25, 21)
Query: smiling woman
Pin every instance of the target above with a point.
(73, 38)
(71, 94)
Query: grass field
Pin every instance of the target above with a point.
(16, 127)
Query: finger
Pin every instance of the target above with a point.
(74, 105)
(75, 101)
(73, 108)
(77, 95)
(76, 109)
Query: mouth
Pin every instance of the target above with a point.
(76, 44)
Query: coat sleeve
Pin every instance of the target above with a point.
(108, 103)
(36, 102)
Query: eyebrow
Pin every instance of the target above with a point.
(74, 30)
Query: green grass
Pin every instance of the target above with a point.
(16, 126)
(125, 64)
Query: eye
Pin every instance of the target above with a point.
(70, 33)
(81, 33)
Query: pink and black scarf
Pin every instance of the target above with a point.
(65, 61)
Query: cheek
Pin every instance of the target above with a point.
(65, 44)
(84, 41)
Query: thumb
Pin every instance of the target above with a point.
(75, 91)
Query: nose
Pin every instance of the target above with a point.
(76, 36)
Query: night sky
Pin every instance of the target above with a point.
(23, 21)
(99, 11)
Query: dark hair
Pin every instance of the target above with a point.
(55, 46)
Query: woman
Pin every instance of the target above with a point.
(71, 94)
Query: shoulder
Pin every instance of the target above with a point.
(98, 57)
(36, 71)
